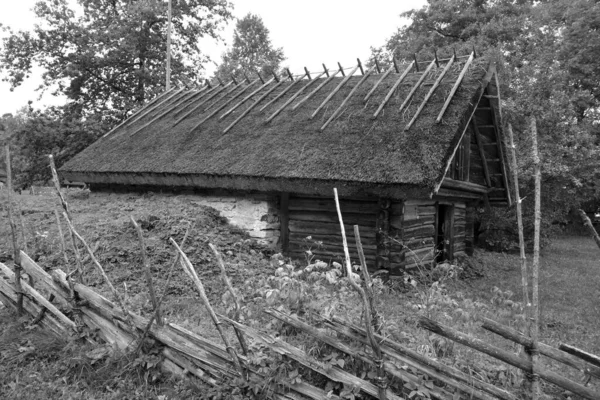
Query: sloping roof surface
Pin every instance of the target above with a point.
(165, 137)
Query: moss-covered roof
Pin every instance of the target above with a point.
(354, 148)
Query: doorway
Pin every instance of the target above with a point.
(444, 237)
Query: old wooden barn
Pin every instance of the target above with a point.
(411, 149)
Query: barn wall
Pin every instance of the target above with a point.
(314, 219)
(460, 229)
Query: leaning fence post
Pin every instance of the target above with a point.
(14, 231)
(381, 380)
(235, 297)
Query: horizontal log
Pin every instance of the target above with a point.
(418, 232)
(323, 228)
(447, 193)
(423, 220)
(322, 216)
(549, 351)
(431, 367)
(584, 355)
(300, 356)
(416, 202)
(301, 238)
(328, 205)
(41, 300)
(507, 357)
(43, 279)
(418, 212)
(322, 336)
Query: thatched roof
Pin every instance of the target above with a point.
(182, 138)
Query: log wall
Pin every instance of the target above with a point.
(460, 230)
(413, 227)
(314, 219)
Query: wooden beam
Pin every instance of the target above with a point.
(168, 110)
(284, 220)
(283, 92)
(333, 92)
(486, 78)
(341, 69)
(500, 146)
(145, 109)
(197, 107)
(311, 94)
(197, 97)
(486, 171)
(416, 85)
(222, 106)
(252, 106)
(307, 73)
(154, 119)
(463, 185)
(377, 66)
(430, 93)
(362, 71)
(245, 99)
(385, 74)
(298, 93)
(339, 109)
(393, 89)
(454, 88)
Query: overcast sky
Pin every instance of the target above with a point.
(311, 32)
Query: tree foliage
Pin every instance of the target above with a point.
(251, 51)
(108, 56)
(548, 55)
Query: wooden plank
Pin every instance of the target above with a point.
(295, 95)
(393, 89)
(311, 94)
(386, 73)
(198, 96)
(345, 101)
(419, 232)
(333, 92)
(436, 84)
(455, 88)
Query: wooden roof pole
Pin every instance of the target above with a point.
(245, 99)
(416, 86)
(165, 103)
(486, 171)
(385, 74)
(393, 89)
(298, 93)
(247, 110)
(222, 106)
(137, 115)
(283, 92)
(454, 89)
(196, 97)
(311, 94)
(436, 84)
(339, 109)
(173, 106)
(204, 101)
(337, 89)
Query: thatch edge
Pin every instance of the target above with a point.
(246, 183)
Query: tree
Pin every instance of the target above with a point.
(111, 58)
(251, 51)
(549, 64)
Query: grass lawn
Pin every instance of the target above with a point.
(569, 290)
